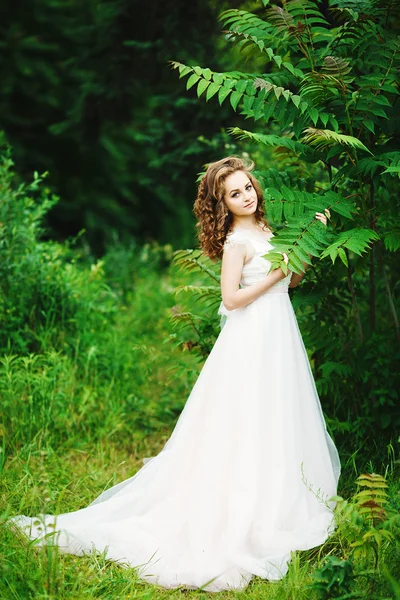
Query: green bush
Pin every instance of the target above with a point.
(47, 299)
(81, 340)
(321, 87)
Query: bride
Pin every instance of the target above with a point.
(249, 471)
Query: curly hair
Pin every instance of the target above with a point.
(214, 219)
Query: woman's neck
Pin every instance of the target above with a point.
(248, 223)
(245, 223)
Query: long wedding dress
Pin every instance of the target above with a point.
(247, 474)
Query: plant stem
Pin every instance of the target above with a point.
(354, 299)
(372, 262)
(389, 293)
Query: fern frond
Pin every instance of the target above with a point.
(318, 91)
(284, 202)
(339, 204)
(393, 169)
(242, 21)
(184, 319)
(270, 140)
(298, 242)
(237, 86)
(336, 66)
(320, 138)
(357, 9)
(356, 240)
(195, 260)
(244, 40)
(279, 91)
(279, 17)
(391, 239)
(209, 294)
(371, 501)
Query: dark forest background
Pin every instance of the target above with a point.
(88, 95)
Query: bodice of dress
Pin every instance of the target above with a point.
(256, 267)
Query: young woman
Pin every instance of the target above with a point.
(248, 472)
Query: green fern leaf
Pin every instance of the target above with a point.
(202, 86)
(223, 94)
(320, 138)
(235, 99)
(193, 79)
(336, 66)
(340, 205)
(391, 240)
(269, 140)
(356, 240)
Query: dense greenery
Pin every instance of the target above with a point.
(88, 389)
(87, 95)
(329, 92)
(100, 349)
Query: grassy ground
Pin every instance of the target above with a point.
(116, 414)
(64, 479)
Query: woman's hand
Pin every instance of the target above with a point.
(323, 217)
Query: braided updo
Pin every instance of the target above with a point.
(214, 218)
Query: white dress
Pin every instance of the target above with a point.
(247, 473)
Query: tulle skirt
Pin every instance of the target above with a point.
(245, 478)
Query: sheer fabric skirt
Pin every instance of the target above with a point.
(244, 479)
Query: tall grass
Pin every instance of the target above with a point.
(92, 379)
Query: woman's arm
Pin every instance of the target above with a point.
(232, 264)
(296, 277)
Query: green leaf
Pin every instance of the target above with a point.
(212, 90)
(307, 245)
(314, 115)
(289, 67)
(334, 122)
(303, 255)
(235, 98)
(223, 94)
(370, 125)
(184, 71)
(193, 79)
(203, 85)
(343, 257)
(219, 78)
(295, 263)
(324, 118)
(296, 100)
(391, 240)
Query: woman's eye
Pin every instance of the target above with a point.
(249, 186)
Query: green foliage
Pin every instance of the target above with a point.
(322, 90)
(71, 354)
(87, 96)
(334, 579)
(196, 329)
(78, 417)
(42, 283)
(368, 538)
(345, 103)
(371, 506)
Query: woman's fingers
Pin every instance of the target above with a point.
(285, 256)
(323, 217)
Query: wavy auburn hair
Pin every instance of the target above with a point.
(214, 219)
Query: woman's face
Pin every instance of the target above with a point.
(240, 196)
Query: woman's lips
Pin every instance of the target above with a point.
(248, 205)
